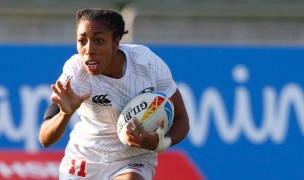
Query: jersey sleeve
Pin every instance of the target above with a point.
(162, 75)
(69, 72)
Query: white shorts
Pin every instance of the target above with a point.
(81, 163)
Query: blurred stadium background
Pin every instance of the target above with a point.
(243, 55)
(161, 21)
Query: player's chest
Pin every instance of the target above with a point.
(117, 93)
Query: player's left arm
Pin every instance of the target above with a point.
(158, 141)
(180, 126)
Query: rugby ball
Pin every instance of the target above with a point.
(149, 108)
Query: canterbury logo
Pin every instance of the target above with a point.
(102, 100)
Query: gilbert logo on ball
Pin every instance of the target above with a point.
(149, 108)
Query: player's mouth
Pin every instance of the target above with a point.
(92, 65)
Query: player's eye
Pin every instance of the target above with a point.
(81, 41)
(99, 41)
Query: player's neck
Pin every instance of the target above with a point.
(119, 65)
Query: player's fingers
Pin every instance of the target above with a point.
(130, 134)
(133, 138)
(60, 86)
(68, 85)
(133, 144)
(130, 138)
(130, 129)
(54, 89)
(55, 99)
(138, 127)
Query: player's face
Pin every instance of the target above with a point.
(96, 47)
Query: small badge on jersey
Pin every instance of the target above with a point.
(65, 79)
(146, 90)
(136, 166)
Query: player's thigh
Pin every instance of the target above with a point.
(141, 167)
(129, 176)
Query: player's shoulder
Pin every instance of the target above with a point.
(136, 49)
(139, 54)
(74, 62)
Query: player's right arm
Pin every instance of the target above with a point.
(66, 103)
(52, 129)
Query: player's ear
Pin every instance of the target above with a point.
(116, 43)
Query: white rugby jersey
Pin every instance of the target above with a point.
(99, 114)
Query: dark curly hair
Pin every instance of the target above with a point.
(112, 19)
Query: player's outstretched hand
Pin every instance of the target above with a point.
(138, 137)
(66, 98)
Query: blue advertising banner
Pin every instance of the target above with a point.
(245, 104)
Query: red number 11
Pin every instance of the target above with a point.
(81, 172)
